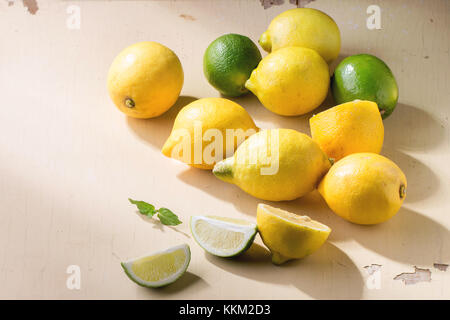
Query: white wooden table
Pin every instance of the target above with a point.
(69, 159)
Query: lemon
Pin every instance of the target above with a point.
(199, 134)
(351, 127)
(303, 27)
(287, 235)
(228, 63)
(364, 188)
(291, 81)
(221, 236)
(276, 165)
(145, 80)
(160, 268)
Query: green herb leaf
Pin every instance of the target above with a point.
(144, 207)
(167, 217)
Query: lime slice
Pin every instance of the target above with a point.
(159, 269)
(223, 237)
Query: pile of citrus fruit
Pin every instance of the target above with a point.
(341, 157)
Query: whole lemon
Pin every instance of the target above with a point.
(364, 188)
(351, 127)
(145, 80)
(291, 81)
(208, 130)
(288, 235)
(303, 27)
(276, 165)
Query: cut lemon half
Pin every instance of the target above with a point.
(288, 235)
(223, 237)
(159, 269)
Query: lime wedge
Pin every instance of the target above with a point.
(159, 269)
(223, 237)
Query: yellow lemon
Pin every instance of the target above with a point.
(291, 81)
(303, 27)
(145, 80)
(348, 128)
(276, 165)
(208, 130)
(364, 188)
(288, 235)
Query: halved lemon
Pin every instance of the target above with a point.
(223, 237)
(159, 269)
(288, 235)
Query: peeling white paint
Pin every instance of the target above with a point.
(31, 5)
(269, 3)
(440, 266)
(419, 275)
(371, 269)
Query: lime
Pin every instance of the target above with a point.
(223, 237)
(365, 77)
(159, 269)
(228, 63)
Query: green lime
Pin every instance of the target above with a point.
(222, 236)
(228, 62)
(365, 77)
(159, 269)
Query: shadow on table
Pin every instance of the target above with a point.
(408, 237)
(156, 131)
(188, 281)
(412, 129)
(311, 204)
(422, 181)
(156, 224)
(327, 274)
(205, 180)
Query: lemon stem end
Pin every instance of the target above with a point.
(224, 169)
(265, 42)
(129, 103)
(402, 191)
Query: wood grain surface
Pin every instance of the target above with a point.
(69, 159)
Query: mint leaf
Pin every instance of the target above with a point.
(167, 217)
(144, 207)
